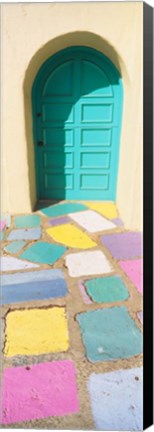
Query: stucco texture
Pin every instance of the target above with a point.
(33, 32)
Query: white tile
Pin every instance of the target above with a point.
(11, 263)
(87, 263)
(92, 221)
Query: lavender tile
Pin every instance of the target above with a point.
(124, 245)
(59, 221)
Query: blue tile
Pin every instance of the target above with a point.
(15, 246)
(30, 286)
(25, 234)
(117, 400)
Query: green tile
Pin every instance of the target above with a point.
(109, 334)
(27, 221)
(61, 209)
(2, 235)
(107, 289)
(15, 246)
(42, 252)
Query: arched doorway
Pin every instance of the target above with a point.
(77, 111)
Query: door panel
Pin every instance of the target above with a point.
(78, 96)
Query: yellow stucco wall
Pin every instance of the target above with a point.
(33, 32)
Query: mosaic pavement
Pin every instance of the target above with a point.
(71, 318)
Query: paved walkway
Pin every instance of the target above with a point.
(72, 319)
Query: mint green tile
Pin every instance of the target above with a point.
(109, 334)
(15, 246)
(107, 289)
(2, 235)
(27, 221)
(61, 209)
(42, 252)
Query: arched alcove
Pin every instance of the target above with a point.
(39, 65)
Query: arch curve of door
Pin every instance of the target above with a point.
(77, 100)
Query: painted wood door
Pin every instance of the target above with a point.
(77, 109)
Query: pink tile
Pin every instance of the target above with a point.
(2, 224)
(134, 270)
(39, 391)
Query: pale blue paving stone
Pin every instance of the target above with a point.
(107, 289)
(15, 246)
(117, 400)
(25, 234)
(109, 334)
(12, 263)
(43, 252)
(62, 209)
(7, 218)
(29, 286)
(27, 221)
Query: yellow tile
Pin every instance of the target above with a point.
(107, 209)
(71, 236)
(36, 331)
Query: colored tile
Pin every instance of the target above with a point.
(140, 316)
(2, 224)
(107, 209)
(107, 289)
(27, 221)
(109, 334)
(29, 286)
(62, 209)
(118, 222)
(92, 221)
(36, 331)
(25, 234)
(11, 264)
(134, 270)
(48, 389)
(43, 252)
(117, 400)
(7, 218)
(71, 236)
(59, 221)
(124, 245)
(15, 246)
(84, 295)
(2, 235)
(87, 263)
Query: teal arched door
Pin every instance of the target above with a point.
(77, 110)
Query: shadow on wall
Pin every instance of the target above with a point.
(59, 182)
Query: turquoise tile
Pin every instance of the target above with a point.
(109, 334)
(61, 209)
(2, 235)
(107, 289)
(15, 246)
(42, 252)
(27, 221)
